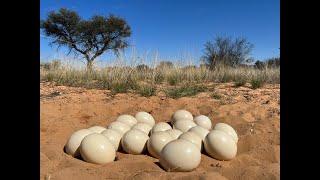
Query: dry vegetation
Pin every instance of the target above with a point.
(177, 80)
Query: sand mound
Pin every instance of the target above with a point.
(253, 113)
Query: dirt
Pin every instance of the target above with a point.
(255, 114)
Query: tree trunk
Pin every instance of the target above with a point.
(89, 65)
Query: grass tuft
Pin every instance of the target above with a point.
(256, 83)
(240, 81)
(185, 90)
(215, 95)
(146, 90)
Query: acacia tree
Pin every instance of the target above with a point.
(226, 51)
(89, 38)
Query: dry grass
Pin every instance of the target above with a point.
(122, 78)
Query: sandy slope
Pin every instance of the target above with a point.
(253, 113)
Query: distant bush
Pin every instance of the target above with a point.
(226, 51)
(260, 65)
(269, 63)
(273, 62)
(165, 65)
(189, 67)
(53, 65)
(142, 67)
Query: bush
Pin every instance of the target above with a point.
(142, 67)
(260, 65)
(186, 90)
(147, 90)
(53, 65)
(173, 79)
(165, 65)
(240, 81)
(215, 95)
(257, 82)
(226, 51)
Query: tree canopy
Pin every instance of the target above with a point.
(90, 38)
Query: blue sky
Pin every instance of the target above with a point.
(179, 28)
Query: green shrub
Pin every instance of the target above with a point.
(147, 90)
(240, 81)
(186, 90)
(257, 82)
(215, 95)
(173, 79)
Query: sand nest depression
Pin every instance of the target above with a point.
(254, 114)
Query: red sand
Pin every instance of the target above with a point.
(253, 113)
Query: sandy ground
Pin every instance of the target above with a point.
(255, 114)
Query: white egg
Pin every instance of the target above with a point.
(203, 121)
(113, 136)
(220, 145)
(73, 144)
(134, 141)
(181, 115)
(174, 133)
(127, 119)
(227, 129)
(96, 148)
(193, 138)
(97, 129)
(144, 117)
(184, 126)
(200, 131)
(119, 126)
(157, 141)
(146, 128)
(180, 155)
(161, 126)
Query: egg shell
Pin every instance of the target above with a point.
(227, 129)
(119, 126)
(144, 117)
(181, 114)
(161, 126)
(175, 133)
(180, 155)
(97, 129)
(200, 131)
(220, 145)
(96, 148)
(203, 121)
(183, 125)
(157, 141)
(193, 138)
(73, 143)
(146, 128)
(134, 141)
(113, 136)
(127, 119)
